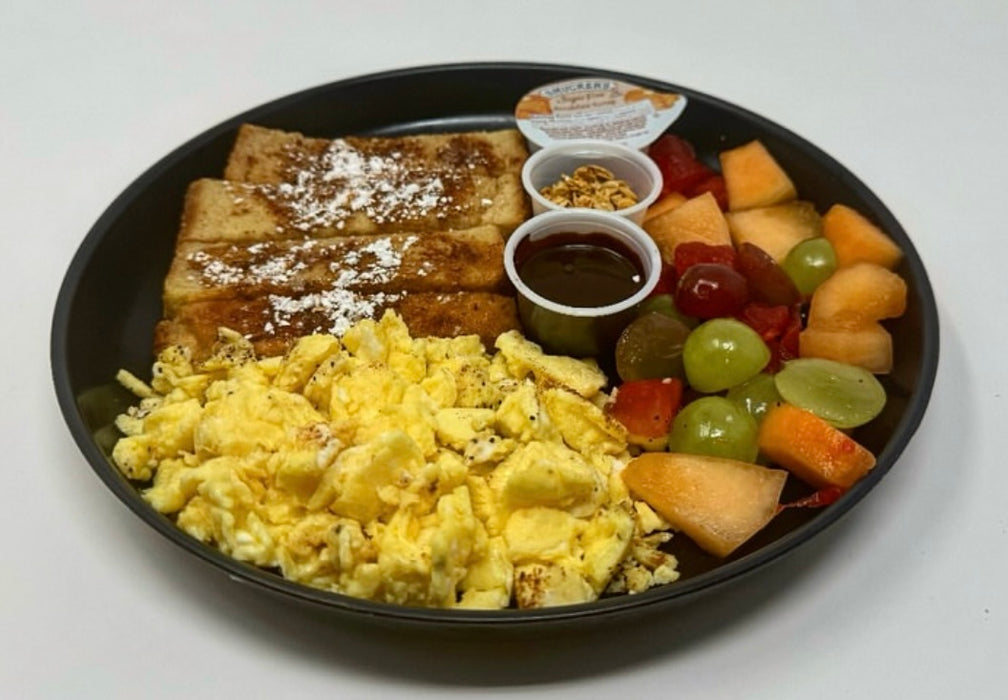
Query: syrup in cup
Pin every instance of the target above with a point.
(580, 275)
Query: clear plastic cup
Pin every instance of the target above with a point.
(547, 165)
(580, 331)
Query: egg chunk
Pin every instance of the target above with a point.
(411, 471)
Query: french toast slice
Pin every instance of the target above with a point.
(468, 260)
(222, 210)
(280, 184)
(260, 154)
(273, 323)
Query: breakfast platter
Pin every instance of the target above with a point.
(237, 303)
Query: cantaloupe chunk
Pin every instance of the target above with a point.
(812, 449)
(697, 219)
(857, 295)
(719, 503)
(856, 239)
(776, 229)
(753, 178)
(869, 346)
(667, 203)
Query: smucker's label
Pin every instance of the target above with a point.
(596, 108)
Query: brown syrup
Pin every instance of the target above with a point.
(580, 270)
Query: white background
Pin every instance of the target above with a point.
(906, 595)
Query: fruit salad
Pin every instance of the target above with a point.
(760, 350)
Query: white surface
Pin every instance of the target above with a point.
(906, 595)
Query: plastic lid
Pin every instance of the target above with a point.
(596, 108)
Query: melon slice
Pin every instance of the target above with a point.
(719, 503)
(696, 219)
(812, 449)
(869, 346)
(856, 239)
(857, 295)
(776, 229)
(753, 178)
(665, 204)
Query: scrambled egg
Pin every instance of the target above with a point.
(409, 471)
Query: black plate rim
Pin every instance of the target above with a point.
(664, 596)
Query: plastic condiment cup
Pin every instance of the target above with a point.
(547, 165)
(580, 331)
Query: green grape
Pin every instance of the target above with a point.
(664, 304)
(843, 395)
(651, 347)
(721, 353)
(809, 263)
(757, 395)
(715, 426)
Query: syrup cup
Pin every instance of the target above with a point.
(548, 164)
(580, 331)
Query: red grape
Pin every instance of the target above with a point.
(710, 290)
(768, 282)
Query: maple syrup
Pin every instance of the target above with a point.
(580, 270)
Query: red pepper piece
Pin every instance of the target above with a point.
(787, 346)
(769, 321)
(817, 499)
(646, 407)
(778, 326)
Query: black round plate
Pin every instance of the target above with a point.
(111, 298)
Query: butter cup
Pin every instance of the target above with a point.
(579, 331)
(547, 165)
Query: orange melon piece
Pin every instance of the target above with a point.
(856, 239)
(776, 229)
(697, 219)
(869, 346)
(812, 449)
(666, 203)
(719, 503)
(857, 295)
(753, 178)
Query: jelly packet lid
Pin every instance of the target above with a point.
(596, 108)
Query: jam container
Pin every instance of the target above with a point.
(579, 276)
(548, 165)
(596, 108)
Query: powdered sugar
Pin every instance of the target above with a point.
(325, 190)
(216, 271)
(340, 308)
(376, 262)
(256, 265)
(346, 267)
